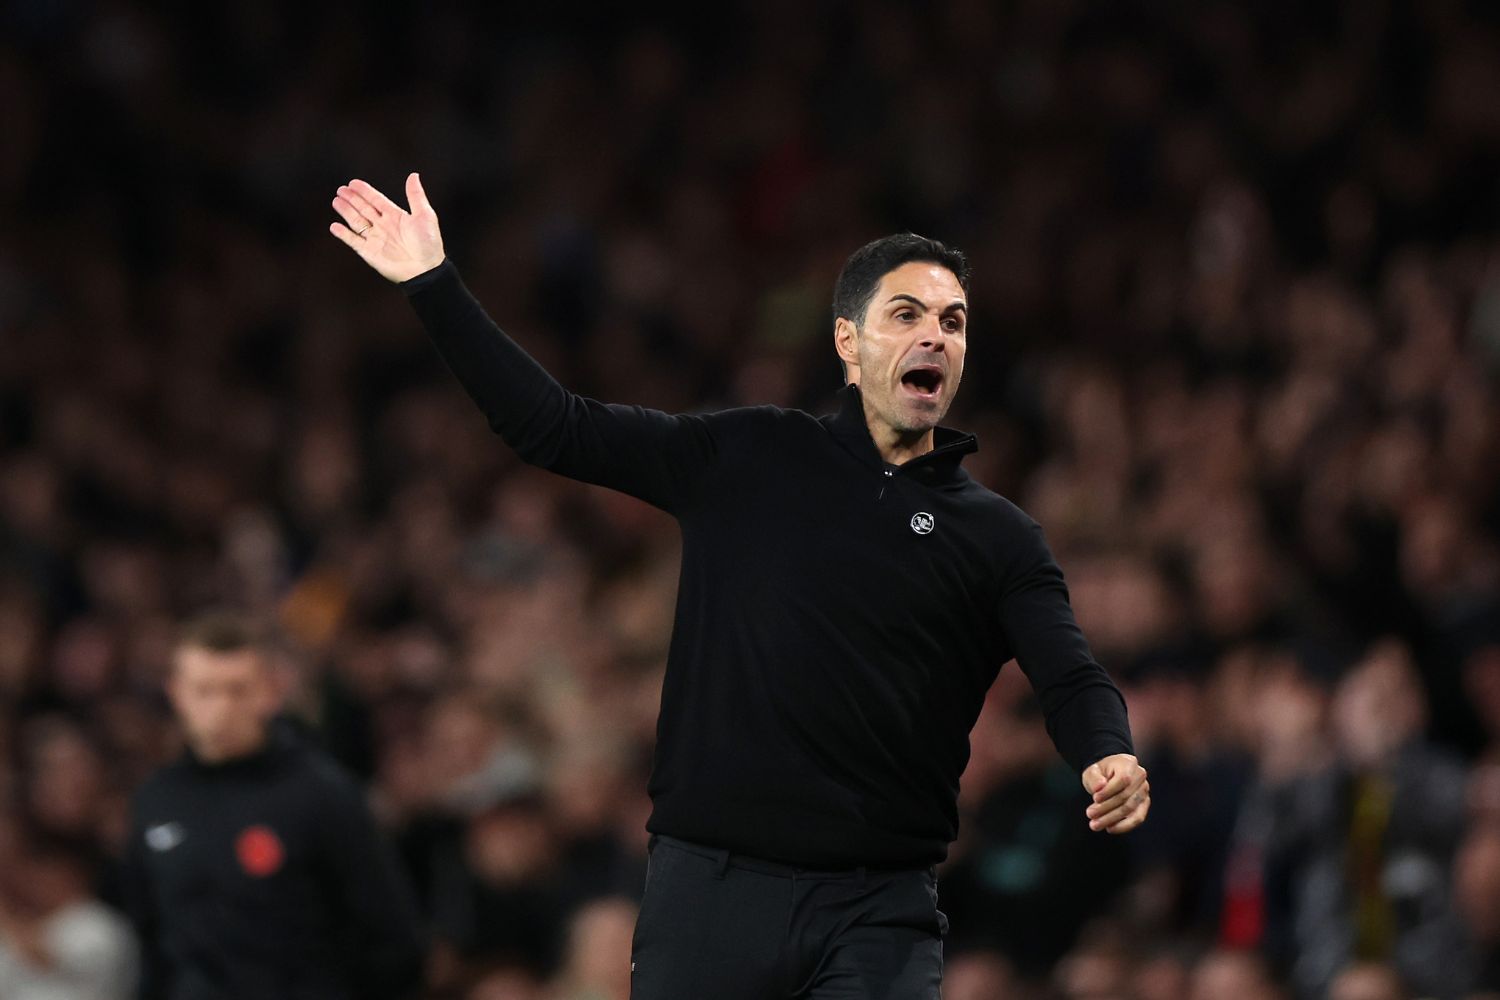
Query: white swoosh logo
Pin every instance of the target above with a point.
(165, 836)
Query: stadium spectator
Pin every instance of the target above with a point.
(1362, 848)
(56, 941)
(1368, 981)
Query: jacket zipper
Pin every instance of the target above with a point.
(890, 471)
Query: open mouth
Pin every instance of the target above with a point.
(924, 381)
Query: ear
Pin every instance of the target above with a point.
(283, 680)
(846, 343)
(171, 682)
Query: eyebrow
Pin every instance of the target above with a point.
(912, 298)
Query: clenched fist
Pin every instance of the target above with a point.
(1121, 793)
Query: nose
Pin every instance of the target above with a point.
(933, 338)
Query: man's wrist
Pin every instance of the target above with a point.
(419, 281)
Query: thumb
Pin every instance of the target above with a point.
(416, 197)
(1094, 778)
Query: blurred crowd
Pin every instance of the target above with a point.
(1235, 344)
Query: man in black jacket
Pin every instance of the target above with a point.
(254, 869)
(847, 596)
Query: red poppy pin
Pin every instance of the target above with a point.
(259, 851)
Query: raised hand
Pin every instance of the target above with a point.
(396, 243)
(1121, 794)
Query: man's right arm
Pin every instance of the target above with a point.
(140, 907)
(649, 454)
(646, 453)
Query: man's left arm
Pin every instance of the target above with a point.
(375, 894)
(1085, 711)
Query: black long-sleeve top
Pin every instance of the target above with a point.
(265, 877)
(839, 619)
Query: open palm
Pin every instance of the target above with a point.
(396, 243)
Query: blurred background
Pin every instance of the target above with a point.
(1235, 343)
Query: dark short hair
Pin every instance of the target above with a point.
(222, 631)
(866, 266)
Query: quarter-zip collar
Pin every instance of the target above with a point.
(939, 466)
(280, 740)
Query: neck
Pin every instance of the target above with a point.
(214, 756)
(896, 446)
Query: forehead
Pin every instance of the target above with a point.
(204, 663)
(932, 283)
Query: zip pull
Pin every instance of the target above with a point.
(888, 474)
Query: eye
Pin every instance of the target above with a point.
(905, 315)
(953, 324)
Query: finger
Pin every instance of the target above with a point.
(1110, 805)
(1112, 817)
(1121, 812)
(1124, 780)
(1132, 821)
(351, 215)
(342, 232)
(1134, 784)
(360, 202)
(1114, 785)
(381, 203)
(416, 195)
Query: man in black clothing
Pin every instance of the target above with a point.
(254, 869)
(847, 596)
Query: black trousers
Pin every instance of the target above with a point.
(721, 926)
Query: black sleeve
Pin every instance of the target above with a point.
(1085, 712)
(646, 453)
(376, 898)
(154, 981)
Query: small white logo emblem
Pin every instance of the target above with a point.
(921, 522)
(165, 836)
